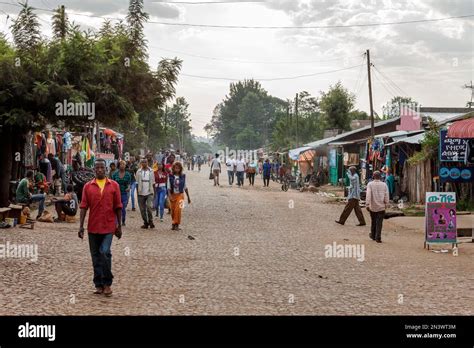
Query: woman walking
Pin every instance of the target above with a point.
(161, 178)
(252, 171)
(176, 189)
(124, 179)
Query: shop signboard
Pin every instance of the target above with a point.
(456, 174)
(451, 149)
(440, 217)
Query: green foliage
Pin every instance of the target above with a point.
(429, 145)
(246, 117)
(358, 115)
(336, 105)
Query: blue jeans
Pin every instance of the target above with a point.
(124, 197)
(133, 188)
(99, 246)
(160, 197)
(240, 178)
(40, 197)
(230, 174)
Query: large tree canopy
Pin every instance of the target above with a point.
(108, 69)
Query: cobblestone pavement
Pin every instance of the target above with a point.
(252, 254)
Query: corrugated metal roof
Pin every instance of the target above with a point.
(341, 136)
(415, 139)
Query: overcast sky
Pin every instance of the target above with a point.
(428, 61)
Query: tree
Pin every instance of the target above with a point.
(26, 29)
(136, 18)
(358, 115)
(336, 105)
(247, 107)
(60, 23)
(80, 67)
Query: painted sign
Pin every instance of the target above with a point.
(440, 217)
(456, 174)
(451, 149)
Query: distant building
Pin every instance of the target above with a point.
(356, 124)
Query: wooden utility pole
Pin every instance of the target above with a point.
(296, 117)
(372, 129)
(471, 87)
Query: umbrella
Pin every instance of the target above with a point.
(109, 132)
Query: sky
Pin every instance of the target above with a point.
(429, 61)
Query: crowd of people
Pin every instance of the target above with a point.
(238, 169)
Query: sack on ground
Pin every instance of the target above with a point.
(46, 217)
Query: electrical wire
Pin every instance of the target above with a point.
(210, 2)
(266, 27)
(390, 92)
(269, 79)
(394, 85)
(254, 61)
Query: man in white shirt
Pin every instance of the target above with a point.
(145, 182)
(230, 164)
(216, 169)
(240, 171)
(376, 201)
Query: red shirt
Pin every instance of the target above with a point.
(102, 217)
(161, 178)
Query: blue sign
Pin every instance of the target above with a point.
(456, 174)
(451, 149)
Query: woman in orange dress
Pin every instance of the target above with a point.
(176, 189)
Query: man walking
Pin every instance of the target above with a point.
(145, 182)
(240, 171)
(352, 199)
(216, 169)
(102, 196)
(376, 201)
(230, 164)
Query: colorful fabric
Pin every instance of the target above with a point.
(124, 182)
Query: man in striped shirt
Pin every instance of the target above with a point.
(376, 201)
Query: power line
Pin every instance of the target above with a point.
(265, 27)
(390, 92)
(394, 85)
(210, 2)
(360, 74)
(254, 61)
(270, 79)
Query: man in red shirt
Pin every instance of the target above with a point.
(102, 196)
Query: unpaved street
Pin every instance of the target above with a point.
(256, 251)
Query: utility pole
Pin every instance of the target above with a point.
(471, 87)
(372, 129)
(288, 126)
(296, 117)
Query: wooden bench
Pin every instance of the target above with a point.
(4, 213)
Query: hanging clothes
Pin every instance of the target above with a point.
(50, 145)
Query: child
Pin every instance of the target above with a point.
(57, 185)
(176, 189)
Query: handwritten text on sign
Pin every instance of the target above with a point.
(452, 149)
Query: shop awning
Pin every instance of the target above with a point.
(295, 153)
(416, 139)
(462, 129)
